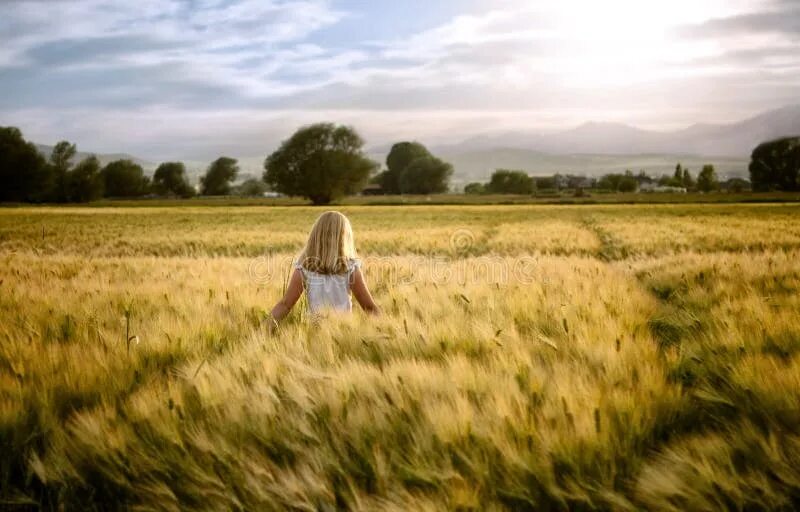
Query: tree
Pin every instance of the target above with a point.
(412, 169)
(628, 184)
(505, 181)
(170, 179)
(426, 175)
(474, 188)
(399, 158)
(85, 182)
(60, 162)
(251, 188)
(23, 173)
(687, 182)
(737, 185)
(677, 178)
(218, 177)
(707, 179)
(775, 165)
(62, 154)
(545, 182)
(321, 162)
(124, 178)
(610, 182)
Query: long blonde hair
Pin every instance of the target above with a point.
(330, 246)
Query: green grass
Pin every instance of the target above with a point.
(566, 197)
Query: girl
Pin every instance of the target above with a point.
(328, 270)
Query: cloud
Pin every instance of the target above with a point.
(240, 45)
(756, 52)
(781, 18)
(172, 76)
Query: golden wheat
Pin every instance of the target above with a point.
(529, 357)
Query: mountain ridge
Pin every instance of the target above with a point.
(591, 148)
(598, 137)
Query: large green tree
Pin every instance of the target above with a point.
(218, 177)
(170, 179)
(321, 162)
(412, 169)
(504, 181)
(23, 173)
(707, 179)
(426, 175)
(776, 165)
(85, 181)
(399, 158)
(60, 162)
(124, 178)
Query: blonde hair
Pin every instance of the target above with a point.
(330, 246)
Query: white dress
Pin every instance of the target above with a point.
(330, 291)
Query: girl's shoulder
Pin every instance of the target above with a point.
(352, 264)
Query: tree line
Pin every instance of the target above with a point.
(324, 162)
(774, 166)
(508, 181)
(29, 176)
(321, 162)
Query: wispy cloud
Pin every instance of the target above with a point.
(241, 45)
(258, 68)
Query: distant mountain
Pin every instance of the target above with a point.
(741, 138)
(594, 148)
(103, 157)
(729, 140)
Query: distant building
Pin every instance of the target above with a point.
(272, 194)
(668, 189)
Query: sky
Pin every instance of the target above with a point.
(195, 79)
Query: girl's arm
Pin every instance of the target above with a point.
(361, 293)
(293, 292)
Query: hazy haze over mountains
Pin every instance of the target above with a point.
(596, 148)
(735, 140)
(593, 148)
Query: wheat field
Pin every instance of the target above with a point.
(529, 357)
